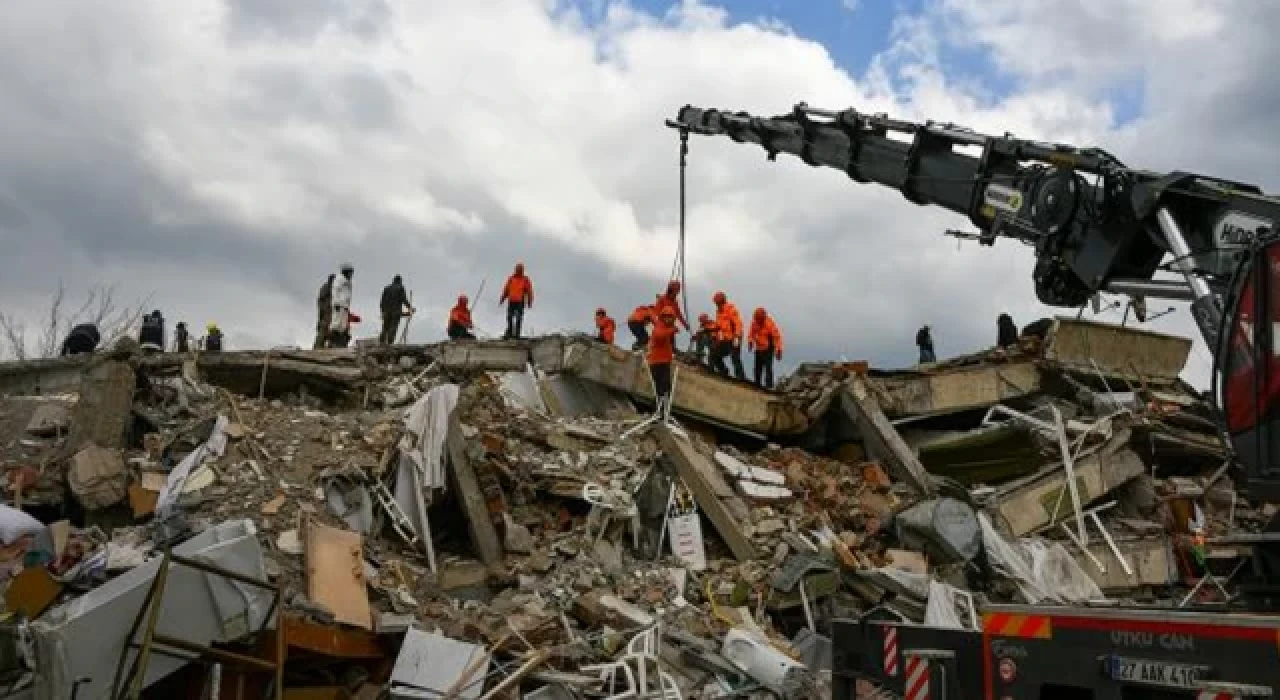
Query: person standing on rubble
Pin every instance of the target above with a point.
(765, 340)
(324, 313)
(394, 305)
(181, 337)
(82, 340)
(1006, 331)
(703, 339)
(924, 341)
(671, 300)
(212, 338)
(340, 321)
(517, 293)
(606, 328)
(728, 338)
(460, 324)
(151, 335)
(662, 344)
(638, 323)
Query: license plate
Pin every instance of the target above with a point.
(1160, 673)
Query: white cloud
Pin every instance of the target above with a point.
(228, 154)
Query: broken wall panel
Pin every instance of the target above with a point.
(697, 393)
(1028, 504)
(56, 375)
(335, 574)
(716, 498)
(470, 496)
(1116, 351)
(102, 415)
(488, 355)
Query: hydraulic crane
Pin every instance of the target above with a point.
(1096, 225)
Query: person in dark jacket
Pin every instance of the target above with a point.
(213, 338)
(82, 339)
(151, 335)
(394, 303)
(924, 341)
(1006, 331)
(181, 337)
(324, 312)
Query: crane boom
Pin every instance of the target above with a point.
(1096, 224)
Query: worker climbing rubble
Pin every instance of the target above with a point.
(765, 340)
(181, 337)
(82, 339)
(728, 338)
(394, 305)
(671, 300)
(517, 293)
(606, 328)
(661, 355)
(340, 321)
(324, 313)
(638, 323)
(460, 325)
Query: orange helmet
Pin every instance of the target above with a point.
(759, 313)
(719, 298)
(673, 286)
(519, 268)
(462, 300)
(601, 312)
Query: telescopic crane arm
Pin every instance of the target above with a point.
(1096, 225)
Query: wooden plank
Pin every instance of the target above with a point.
(707, 483)
(474, 506)
(883, 441)
(335, 574)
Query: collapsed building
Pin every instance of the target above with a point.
(483, 519)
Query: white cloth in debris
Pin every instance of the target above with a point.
(1042, 571)
(421, 466)
(942, 610)
(213, 447)
(15, 523)
(341, 320)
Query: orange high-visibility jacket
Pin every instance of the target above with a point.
(643, 314)
(669, 301)
(662, 343)
(765, 336)
(460, 315)
(606, 328)
(519, 289)
(728, 323)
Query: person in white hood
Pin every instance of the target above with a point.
(340, 323)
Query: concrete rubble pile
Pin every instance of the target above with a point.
(496, 519)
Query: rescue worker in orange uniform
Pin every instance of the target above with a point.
(460, 320)
(517, 293)
(671, 300)
(662, 350)
(728, 338)
(704, 338)
(638, 323)
(606, 327)
(765, 340)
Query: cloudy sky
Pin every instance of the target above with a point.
(224, 155)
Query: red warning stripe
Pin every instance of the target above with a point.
(1021, 626)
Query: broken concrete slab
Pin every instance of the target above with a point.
(567, 396)
(698, 393)
(882, 439)
(97, 477)
(50, 419)
(487, 355)
(1151, 559)
(1027, 504)
(726, 510)
(103, 413)
(1117, 352)
(474, 506)
(957, 389)
(58, 375)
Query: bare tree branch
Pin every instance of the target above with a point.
(15, 334)
(101, 307)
